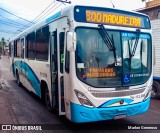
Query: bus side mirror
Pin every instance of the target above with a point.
(71, 41)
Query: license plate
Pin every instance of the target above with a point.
(120, 117)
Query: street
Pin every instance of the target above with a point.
(26, 108)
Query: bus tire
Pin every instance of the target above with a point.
(18, 80)
(155, 93)
(47, 100)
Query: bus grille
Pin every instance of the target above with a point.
(117, 93)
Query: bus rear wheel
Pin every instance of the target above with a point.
(18, 80)
(47, 100)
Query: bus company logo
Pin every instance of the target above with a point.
(6, 127)
(121, 102)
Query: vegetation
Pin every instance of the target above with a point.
(2, 44)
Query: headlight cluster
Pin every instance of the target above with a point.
(83, 99)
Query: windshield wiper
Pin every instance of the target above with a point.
(108, 41)
(133, 51)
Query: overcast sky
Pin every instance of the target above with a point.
(30, 9)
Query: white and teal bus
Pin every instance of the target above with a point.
(89, 63)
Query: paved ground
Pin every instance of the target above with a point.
(7, 115)
(19, 106)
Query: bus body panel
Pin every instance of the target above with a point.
(108, 103)
(100, 114)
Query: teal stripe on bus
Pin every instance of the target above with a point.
(29, 74)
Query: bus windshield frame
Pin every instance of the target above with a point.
(101, 70)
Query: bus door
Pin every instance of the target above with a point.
(12, 58)
(57, 70)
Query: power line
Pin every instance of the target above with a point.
(9, 24)
(15, 15)
(11, 20)
(42, 17)
(112, 4)
(43, 11)
(64, 1)
(8, 32)
(46, 14)
(37, 17)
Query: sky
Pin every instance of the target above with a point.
(30, 9)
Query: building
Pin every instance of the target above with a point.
(152, 9)
(6, 50)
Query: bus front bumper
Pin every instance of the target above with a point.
(81, 114)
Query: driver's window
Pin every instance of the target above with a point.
(144, 52)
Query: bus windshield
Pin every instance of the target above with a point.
(96, 64)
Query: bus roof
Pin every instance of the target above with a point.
(69, 12)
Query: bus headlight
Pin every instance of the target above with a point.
(83, 99)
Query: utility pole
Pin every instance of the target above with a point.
(144, 0)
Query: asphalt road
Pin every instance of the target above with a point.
(29, 109)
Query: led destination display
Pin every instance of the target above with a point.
(113, 19)
(110, 16)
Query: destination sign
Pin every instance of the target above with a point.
(110, 16)
(101, 72)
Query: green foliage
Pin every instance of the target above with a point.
(2, 44)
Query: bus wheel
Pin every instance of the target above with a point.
(155, 90)
(18, 80)
(47, 100)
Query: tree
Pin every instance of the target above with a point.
(2, 44)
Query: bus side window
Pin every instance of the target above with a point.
(30, 49)
(42, 44)
(61, 41)
(22, 48)
(67, 60)
(54, 54)
(12, 49)
(9, 49)
(18, 48)
(15, 48)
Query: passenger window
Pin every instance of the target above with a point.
(17, 48)
(61, 41)
(22, 48)
(31, 46)
(42, 43)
